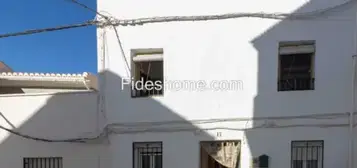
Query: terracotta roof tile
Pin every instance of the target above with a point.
(4, 67)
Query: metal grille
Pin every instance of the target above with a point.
(296, 72)
(295, 84)
(148, 79)
(48, 162)
(147, 155)
(307, 154)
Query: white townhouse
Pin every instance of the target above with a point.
(293, 63)
(42, 115)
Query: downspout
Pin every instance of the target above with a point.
(351, 120)
(101, 92)
(351, 117)
(102, 79)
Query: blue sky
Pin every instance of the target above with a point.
(65, 51)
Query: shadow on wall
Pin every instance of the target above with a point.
(72, 115)
(329, 33)
(59, 116)
(154, 121)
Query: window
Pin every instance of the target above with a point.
(307, 154)
(48, 162)
(296, 70)
(147, 154)
(147, 72)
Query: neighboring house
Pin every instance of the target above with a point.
(13, 82)
(294, 77)
(38, 107)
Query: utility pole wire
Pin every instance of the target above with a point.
(91, 9)
(74, 140)
(160, 19)
(34, 31)
(141, 21)
(280, 16)
(108, 20)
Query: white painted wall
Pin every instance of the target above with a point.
(243, 49)
(60, 116)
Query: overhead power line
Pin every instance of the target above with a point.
(219, 120)
(145, 127)
(292, 16)
(174, 130)
(35, 31)
(110, 21)
(88, 8)
(74, 140)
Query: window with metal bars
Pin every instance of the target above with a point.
(147, 72)
(307, 154)
(296, 66)
(147, 154)
(47, 162)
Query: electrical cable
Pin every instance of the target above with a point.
(74, 140)
(109, 20)
(214, 17)
(122, 51)
(205, 121)
(160, 19)
(141, 21)
(86, 7)
(173, 130)
(63, 27)
(110, 128)
(124, 129)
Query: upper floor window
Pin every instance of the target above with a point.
(147, 72)
(296, 66)
(307, 154)
(147, 155)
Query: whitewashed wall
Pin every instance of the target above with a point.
(60, 116)
(243, 49)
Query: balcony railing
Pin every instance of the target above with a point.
(296, 84)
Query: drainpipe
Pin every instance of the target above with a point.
(102, 79)
(351, 119)
(100, 84)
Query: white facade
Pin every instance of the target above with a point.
(244, 49)
(48, 107)
(56, 116)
